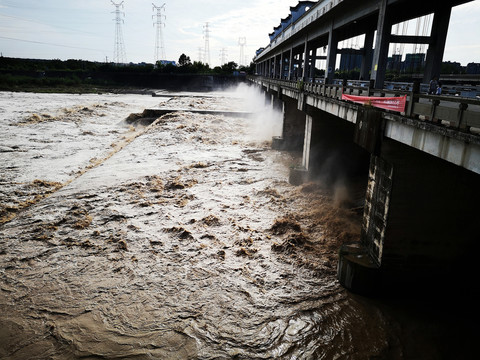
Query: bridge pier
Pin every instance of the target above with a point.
(436, 47)
(329, 155)
(419, 227)
(293, 131)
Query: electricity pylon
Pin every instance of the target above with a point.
(159, 43)
(223, 56)
(206, 35)
(119, 54)
(242, 42)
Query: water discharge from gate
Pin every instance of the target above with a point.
(179, 240)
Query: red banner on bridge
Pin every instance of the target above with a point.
(388, 103)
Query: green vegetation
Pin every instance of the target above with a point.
(86, 76)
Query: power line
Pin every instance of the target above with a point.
(52, 44)
(41, 23)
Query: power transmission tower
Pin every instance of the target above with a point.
(242, 42)
(206, 35)
(159, 43)
(223, 56)
(119, 54)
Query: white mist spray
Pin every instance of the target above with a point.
(266, 121)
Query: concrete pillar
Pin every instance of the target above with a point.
(419, 227)
(278, 142)
(306, 60)
(436, 47)
(293, 125)
(367, 56)
(307, 142)
(313, 64)
(274, 67)
(282, 66)
(380, 55)
(290, 65)
(268, 98)
(331, 56)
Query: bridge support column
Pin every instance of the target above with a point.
(418, 230)
(293, 131)
(307, 142)
(329, 154)
(313, 64)
(290, 65)
(300, 175)
(380, 55)
(367, 56)
(282, 66)
(331, 56)
(274, 67)
(306, 60)
(436, 48)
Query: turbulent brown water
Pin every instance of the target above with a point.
(178, 240)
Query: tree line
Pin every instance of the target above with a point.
(28, 74)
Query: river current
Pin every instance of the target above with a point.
(181, 239)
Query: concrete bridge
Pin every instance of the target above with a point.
(421, 165)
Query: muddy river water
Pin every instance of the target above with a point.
(180, 240)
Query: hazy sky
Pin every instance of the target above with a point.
(85, 29)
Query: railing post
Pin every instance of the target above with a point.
(435, 103)
(371, 87)
(413, 98)
(461, 124)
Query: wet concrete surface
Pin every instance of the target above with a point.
(177, 240)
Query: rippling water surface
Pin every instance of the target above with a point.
(178, 240)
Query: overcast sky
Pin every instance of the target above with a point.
(85, 29)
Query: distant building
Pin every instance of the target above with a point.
(452, 67)
(394, 63)
(473, 68)
(167, 62)
(351, 59)
(414, 62)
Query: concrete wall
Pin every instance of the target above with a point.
(432, 230)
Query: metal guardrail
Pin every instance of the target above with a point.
(462, 113)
